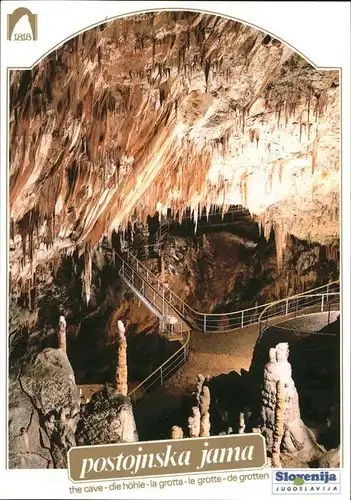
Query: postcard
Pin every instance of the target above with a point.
(175, 250)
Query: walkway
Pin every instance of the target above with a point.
(219, 342)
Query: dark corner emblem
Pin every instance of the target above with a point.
(22, 25)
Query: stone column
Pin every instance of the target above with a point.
(62, 341)
(194, 422)
(278, 424)
(281, 426)
(199, 383)
(205, 411)
(121, 382)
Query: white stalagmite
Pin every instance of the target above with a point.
(205, 411)
(62, 341)
(176, 432)
(281, 423)
(278, 424)
(199, 383)
(194, 422)
(242, 423)
(122, 367)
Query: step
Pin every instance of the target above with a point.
(173, 337)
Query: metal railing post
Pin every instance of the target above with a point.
(287, 307)
(329, 307)
(242, 319)
(322, 308)
(204, 322)
(161, 376)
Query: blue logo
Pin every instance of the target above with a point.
(305, 481)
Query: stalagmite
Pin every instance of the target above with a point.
(278, 369)
(176, 432)
(122, 368)
(205, 411)
(242, 424)
(62, 342)
(278, 424)
(194, 422)
(199, 384)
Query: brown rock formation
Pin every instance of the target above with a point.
(107, 418)
(151, 112)
(43, 412)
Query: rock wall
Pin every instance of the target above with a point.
(43, 412)
(233, 269)
(107, 418)
(46, 417)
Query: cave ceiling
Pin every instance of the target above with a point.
(169, 110)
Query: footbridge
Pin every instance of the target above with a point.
(177, 318)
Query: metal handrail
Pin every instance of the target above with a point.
(209, 321)
(168, 367)
(290, 307)
(143, 281)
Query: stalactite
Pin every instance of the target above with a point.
(114, 122)
(314, 153)
(281, 238)
(87, 273)
(281, 170)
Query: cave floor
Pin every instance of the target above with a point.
(210, 354)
